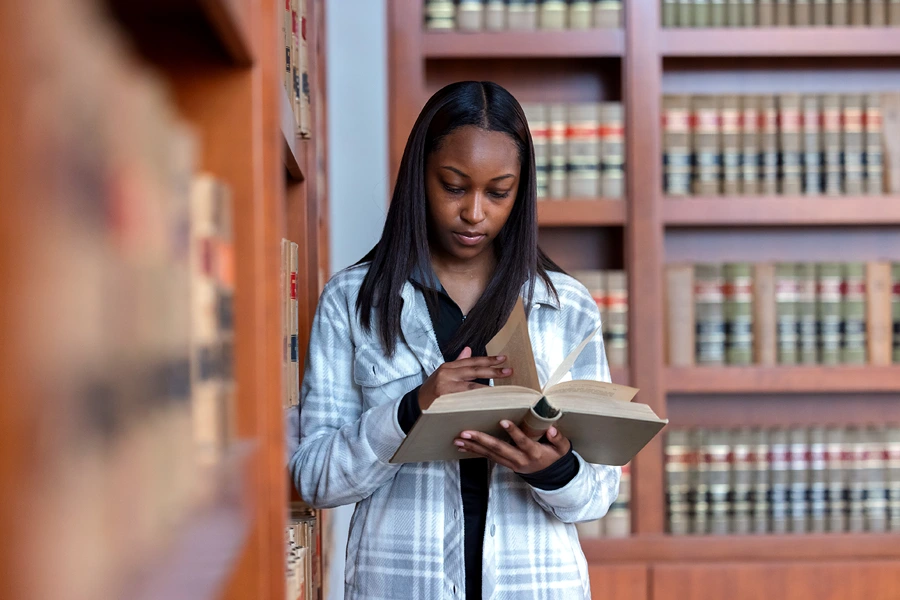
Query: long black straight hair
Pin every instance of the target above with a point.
(403, 248)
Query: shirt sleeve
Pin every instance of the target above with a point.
(556, 475)
(409, 411)
(344, 452)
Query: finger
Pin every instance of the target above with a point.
(477, 361)
(466, 353)
(472, 449)
(473, 373)
(523, 442)
(498, 448)
(558, 440)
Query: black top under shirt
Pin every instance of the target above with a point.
(474, 472)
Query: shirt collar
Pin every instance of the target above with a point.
(425, 277)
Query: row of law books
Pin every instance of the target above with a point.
(579, 149)
(296, 63)
(609, 288)
(302, 552)
(780, 13)
(139, 368)
(789, 144)
(783, 480)
(290, 319)
(521, 15)
(784, 314)
(617, 522)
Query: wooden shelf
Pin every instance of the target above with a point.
(781, 41)
(781, 210)
(198, 562)
(758, 379)
(581, 213)
(778, 548)
(594, 43)
(620, 375)
(295, 149)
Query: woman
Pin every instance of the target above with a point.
(410, 323)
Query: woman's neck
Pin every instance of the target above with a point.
(464, 281)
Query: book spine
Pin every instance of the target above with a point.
(829, 312)
(612, 150)
(719, 464)
(876, 483)
(858, 17)
(765, 314)
(303, 84)
(522, 15)
(872, 158)
(680, 313)
(685, 13)
(895, 309)
(799, 481)
(583, 150)
(749, 18)
(812, 146)
(731, 145)
(839, 13)
(556, 182)
(618, 519)
(780, 482)
(750, 157)
(818, 481)
(858, 486)
(287, 33)
(893, 13)
(709, 314)
(878, 312)
(700, 524)
(802, 13)
(470, 15)
(440, 15)
(294, 383)
(733, 12)
(676, 145)
(286, 366)
(766, 13)
(786, 300)
(877, 13)
(595, 282)
(536, 115)
(738, 309)
(297, 62)
(820, 10)
(831, 142)
(554, 14)
(581, 14)
(677, 464)
(836, 480)
(495, 15)
(760, 460)
(707, 146)
(741, 482)
(852, 122)
(783, 13)
(702, 17)
(768, 145)
(890, 113)
(892, 475)
(717, 13)
(608, 14)
(853, 334)
(617, 318)
(670, 13)
(807, 317)
(790, 141)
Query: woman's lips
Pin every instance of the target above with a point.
(468, 239)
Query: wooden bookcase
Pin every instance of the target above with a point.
(637, 65)
(222, 60)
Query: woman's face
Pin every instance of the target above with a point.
(471, 182)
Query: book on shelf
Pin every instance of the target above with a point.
(779, 13)
(676, 145)
(812, 146)
(820, 13)
(302, 554)
(536, 115)
(802, 13)
(707, 146)
(895, 309)
(557, 115)
(554, 14)
(581, 14)
(599, 418)
(783, 13)
(729, 118)
(608, 14)
(495, 15)
(872, 156)
(893, 10)
(522, 15)
(290, 260)
(470, 15)
(807, 318)
(612, 150)
(610, 291)
(583, 150)
(763, 319)
(890, 118)
(852, 130)
(787, 324)
(303, 89)
(287, 29)
(680, 318)
(789, 139)
(440, 15)
(617, 522)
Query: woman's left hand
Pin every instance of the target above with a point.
(527, 456)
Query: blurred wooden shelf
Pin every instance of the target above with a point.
(581, 213)
(190, 23)
(781, 41)
(620, 375)
(763, 379)
(295, 149)
(592, 43)
(777, 548)
(197, 563)
(781, 210)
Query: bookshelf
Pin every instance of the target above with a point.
(221, 62)
(649, 230)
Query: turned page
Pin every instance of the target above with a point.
(513, 342)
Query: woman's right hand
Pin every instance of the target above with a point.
(460, 375)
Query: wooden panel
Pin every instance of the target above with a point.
(747, 581)
(782, 210)
(583, 247)
(795, 41)
(621, 582)
(534, 80)
(568, 213)
(406, 75)
(842, 378)
(525, 44)
(668, 549)
(770, 410)
(294, 149)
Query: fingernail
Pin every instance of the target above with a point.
(506, 371)
(463, 450)
(552, 432)
(504, 424)
(466, 436)
(501, 358)
(459, 443)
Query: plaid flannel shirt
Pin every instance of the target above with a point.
(406, 534)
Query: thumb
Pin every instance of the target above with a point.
(556, 439)
(466, 353)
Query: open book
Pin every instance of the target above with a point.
(600, 420)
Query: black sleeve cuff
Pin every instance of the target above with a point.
(557, 475)
(409, 410)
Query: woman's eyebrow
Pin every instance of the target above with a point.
(461, 174)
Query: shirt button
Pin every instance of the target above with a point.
(493, 530)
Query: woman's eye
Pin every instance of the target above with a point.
(499, 195)
(453, 190)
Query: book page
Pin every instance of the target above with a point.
(506, 396)
(513, 342)
(562, 369)
(599, 390)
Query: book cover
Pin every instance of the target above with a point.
(750, 148)
(583, 150)
(680, 315)
(470, 15)
(554, 14)
(877, 13)
(558, 128)
(858, 16)
(779, 480)
(831, 144)
(522, 15)
(807, 317)
(820, 13)
(709, 314)
(829, 312)
(495, 15)
(812, 146)
(765, 314)
(304, 90)
(878, 312)
(294, 381)
(768, 145)
(789, 138)
(852, 142)
(730, 119)
(786, 309)
(840, 16)
(738, 308)
(612, 150)
(872, 156)
(616, 318)
(608, 14)
(818, 481)
(287, 29)
(890, 114)
(286, 281)
(741, 481)
(599, 418)
(783, 13)
(853, 306)
(707, 146)
(799, 480)
(676, 145)
(581, 14)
